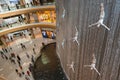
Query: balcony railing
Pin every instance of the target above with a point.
(27, 26)
(17, 6)
(18, 23)
(26, 10)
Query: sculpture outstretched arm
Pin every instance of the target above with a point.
(96, 71)
(93, 24)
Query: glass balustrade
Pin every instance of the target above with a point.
(6, 7)
(16, 24)
(46, 16)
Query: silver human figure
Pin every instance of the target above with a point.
(76, 36)
(63, 14)
(63, 42)
(101, 19)
(71, 66)
(92, 66)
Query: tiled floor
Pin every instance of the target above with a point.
(7, 69)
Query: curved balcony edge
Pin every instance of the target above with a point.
(28, 26)
(26, 10)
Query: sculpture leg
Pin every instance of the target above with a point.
(77, 42)
(105, 26)
(96, 71)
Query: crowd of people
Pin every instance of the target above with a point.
(15, 59)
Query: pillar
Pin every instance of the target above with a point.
(35, 17)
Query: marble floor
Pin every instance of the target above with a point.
(8, 68)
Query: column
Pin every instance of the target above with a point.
(35, 17)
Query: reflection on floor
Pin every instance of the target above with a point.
(47, 66)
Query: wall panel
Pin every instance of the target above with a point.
(103, 43)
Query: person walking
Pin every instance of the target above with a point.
(27, 55)
(16, 70)
(13, 55)
(2, 54)
(18, 62)
(12, 60)
(6, 57)
(34, 50)
(20, 67)
(3, 49)
(28, 73)
(32, 59)
(26, 77)
(30, 67)
(23, 46)
(18, 57)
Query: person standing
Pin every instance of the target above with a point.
(27, 55)
(34, 51)
(6, 57)
(16, 70)
(2, 54)
(32, 59)
(13, 55)
(26, 77)
(17, 7)
(20, 67)
(34, 45)
(8, 7)
(28, 73)
(41, 2)
(18, 62)
(12, 60)
(18, 57)
(23, 46)
(30, 67)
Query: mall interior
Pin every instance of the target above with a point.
(59, 39)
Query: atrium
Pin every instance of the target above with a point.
(59, 39)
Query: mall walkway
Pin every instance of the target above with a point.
(7, 69)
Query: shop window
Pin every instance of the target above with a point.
(48, 34)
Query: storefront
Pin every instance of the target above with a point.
(47, 16)
(48, 33)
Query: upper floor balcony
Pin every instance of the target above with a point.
(27, 26)
(26, 10)
(48, 17)
(5, 7)
(21, 17)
